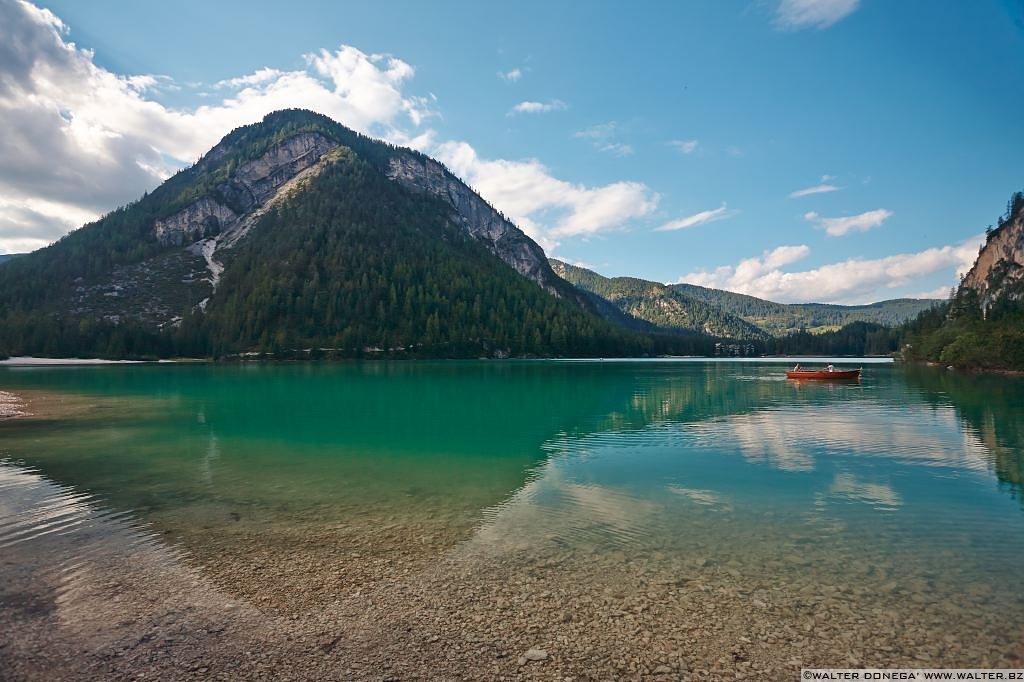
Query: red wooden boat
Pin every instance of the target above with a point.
(823, 374)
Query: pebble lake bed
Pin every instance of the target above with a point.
(687, 520)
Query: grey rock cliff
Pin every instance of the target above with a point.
(256, 181)
(202, 218)
(999, 268)
(477, 217)
(248, 187)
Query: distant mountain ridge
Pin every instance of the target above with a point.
(689, 307)
(659, 305)
(779, 319)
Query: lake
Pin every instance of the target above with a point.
(424, 520)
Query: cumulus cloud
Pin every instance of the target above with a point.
(602, 137)
(856, 280)
(81, 137)
(27, 223)
(937, 292)
(529, 107)
(696, 219)
(862, 222)
(544, 206)
(512, 76)
(794, 15)
(80, 140)
(685, 146)
(825, 185)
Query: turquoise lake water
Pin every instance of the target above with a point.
(910, 480)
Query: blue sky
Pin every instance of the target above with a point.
(834, 150)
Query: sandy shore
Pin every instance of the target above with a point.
(28, 361)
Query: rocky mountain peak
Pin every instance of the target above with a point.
(999, 268)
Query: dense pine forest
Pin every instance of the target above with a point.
(957, 334)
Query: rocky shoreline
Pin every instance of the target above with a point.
(11, 406)
(413, 599)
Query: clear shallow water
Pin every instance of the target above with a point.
(907, 484)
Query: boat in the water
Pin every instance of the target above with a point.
(824, 374)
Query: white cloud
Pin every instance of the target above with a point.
(538, 107)
(617, 148)
(855, 280)
(544, 206)
(862, 222)
(817, 189)
(27, 223)
(823, 187)
(258, 77)
(696, 219)
(80, 140)
(512, 76)
(602, 137)
(938, 292)
(799, 14)
(685, 146)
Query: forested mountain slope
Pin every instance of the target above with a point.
(297, 234)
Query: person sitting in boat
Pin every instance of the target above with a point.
(796, 368)
(830, 368)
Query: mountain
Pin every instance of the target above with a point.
(661, 306)
(298, 234)
(726, 314)
(982, 327)
(4, 257)
(779, 319)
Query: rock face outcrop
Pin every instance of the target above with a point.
(999, 269)
(256, 181)
(248, 187)
(477, 217)
(200, 219)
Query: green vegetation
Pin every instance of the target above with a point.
(977, 329)
(958, 335)
(854, 339)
